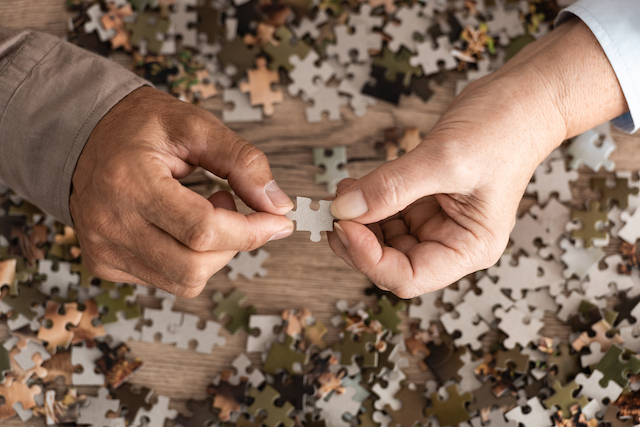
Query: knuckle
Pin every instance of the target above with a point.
(194, 275)
(389, 190)
(201, 236)
(253, 241)
(249, 156)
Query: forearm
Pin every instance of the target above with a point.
(52, 94)
(580, 79)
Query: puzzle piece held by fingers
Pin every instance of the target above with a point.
(311, 220)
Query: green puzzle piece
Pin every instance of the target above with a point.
(5, 363)
(265, 401)
(29, 295)
(349, 348)
(388, 314)
(116, 305)
(284, 356)
(617, 369)
(231, 306)
(564, 398)
(147, 27)
(452, 411)
(284, 50)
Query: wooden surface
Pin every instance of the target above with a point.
(300, 273)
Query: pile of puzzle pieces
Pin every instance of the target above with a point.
(483, 338)
(330, 53)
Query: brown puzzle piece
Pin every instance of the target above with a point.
(57, 335)
(259, 86)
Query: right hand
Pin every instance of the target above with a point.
(134, 220)
(446, 209)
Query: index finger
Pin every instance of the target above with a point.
(194, 221)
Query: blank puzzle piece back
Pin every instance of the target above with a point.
(333, 165)
(311, 220)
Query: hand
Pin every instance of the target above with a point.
(136, 223)
(446, 209)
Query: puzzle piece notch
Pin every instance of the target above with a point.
(94, 23)
(311, 220)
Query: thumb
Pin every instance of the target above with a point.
(246, 167)
(386, 190)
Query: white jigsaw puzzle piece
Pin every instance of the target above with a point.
(311, 220)
(248, 265)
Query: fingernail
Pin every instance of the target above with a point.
(349, 205)
(285, 232)
(341, 235)
(276, 195)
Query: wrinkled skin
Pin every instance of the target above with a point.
(136, 223)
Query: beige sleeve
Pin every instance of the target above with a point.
(52, 95)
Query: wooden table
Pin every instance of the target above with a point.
(300, 273)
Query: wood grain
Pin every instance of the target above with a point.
(300, 273)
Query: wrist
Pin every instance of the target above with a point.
(570, 76)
